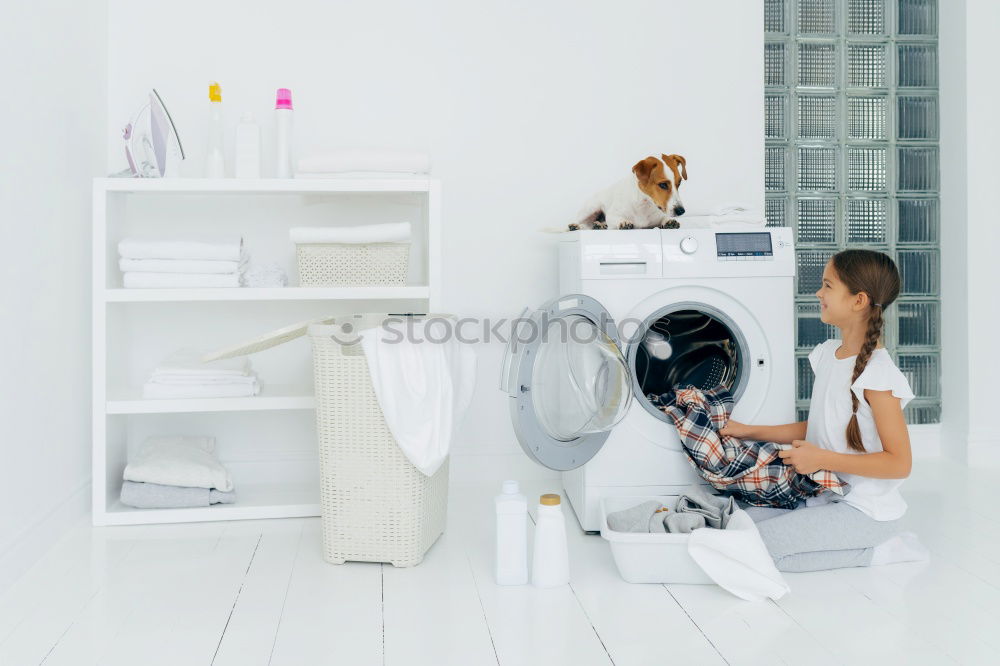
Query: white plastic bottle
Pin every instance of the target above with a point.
(550, 563)
(283, 134)
(215, 156)
(247, 147)
(512, 536)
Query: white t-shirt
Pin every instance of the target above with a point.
(830, 411)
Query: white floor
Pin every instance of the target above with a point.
(258, 592)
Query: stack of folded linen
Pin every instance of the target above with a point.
(174, 473)
(721, 215)
(184, 375)
(363, 161)
(167, 264)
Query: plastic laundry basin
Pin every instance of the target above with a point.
(642, 557)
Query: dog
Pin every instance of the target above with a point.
(649, 199)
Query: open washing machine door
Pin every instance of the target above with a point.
(568, 380)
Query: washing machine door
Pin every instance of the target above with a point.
(568, 380)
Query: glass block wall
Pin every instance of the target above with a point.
(851, 105)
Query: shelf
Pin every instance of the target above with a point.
(265, 185)
(270, 294)
(285, 487)
(253, 501)
(271, 398)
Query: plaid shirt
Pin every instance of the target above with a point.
(750, 470)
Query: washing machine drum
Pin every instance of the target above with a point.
(703, 351)
(705, 367)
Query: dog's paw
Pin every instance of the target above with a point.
(626, 225)
(671, 224)
(600, 225)
(574, 227)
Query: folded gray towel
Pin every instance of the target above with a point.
(643, 518)
(156, 496)
(716, 509)
(684, 523)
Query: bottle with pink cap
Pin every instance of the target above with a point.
(283, 127)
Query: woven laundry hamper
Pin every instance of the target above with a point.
(352, 264)
(376, 506)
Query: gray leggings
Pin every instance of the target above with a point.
(828, 536)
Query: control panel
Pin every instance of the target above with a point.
(744, 246)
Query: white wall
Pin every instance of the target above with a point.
(970, 142)
(53, 54)
(525, 107)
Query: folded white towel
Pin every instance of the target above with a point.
(156, 391)
(375, 159)
(227, 249)
(394, 232)
(737, 559)
(179, 461)
(187, 362)
(722, 209)
(202, 266)
(179, 280)
(385, 175)
(200, 380)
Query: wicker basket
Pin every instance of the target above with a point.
(352, 264)
(376, 506)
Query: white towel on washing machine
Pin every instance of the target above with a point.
(422, 387)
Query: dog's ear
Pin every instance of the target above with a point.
(643, 168)
(678, 159)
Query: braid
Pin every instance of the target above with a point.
(875, 323)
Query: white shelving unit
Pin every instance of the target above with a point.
(267, 441)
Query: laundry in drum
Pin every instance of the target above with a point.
(746, 469)
(686, 346)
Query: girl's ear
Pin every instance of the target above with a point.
(860, 301)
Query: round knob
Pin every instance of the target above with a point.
(688, 245)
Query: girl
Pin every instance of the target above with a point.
(855, 428)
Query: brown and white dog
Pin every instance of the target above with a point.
(649, 199)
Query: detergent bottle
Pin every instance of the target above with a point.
(215, 157)
(550, 564)
(512, 536)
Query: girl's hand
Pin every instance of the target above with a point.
(804, 456)
(735, 429)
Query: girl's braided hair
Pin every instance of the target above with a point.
(875, 274)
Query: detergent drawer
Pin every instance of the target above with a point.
(620, 255)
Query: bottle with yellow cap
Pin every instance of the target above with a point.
(550, 561)
(215, 156)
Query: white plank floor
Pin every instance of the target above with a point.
(258, 592)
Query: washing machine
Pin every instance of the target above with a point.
(641, 311)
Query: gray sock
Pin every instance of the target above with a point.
(641, 518)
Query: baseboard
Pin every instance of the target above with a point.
(28, 546)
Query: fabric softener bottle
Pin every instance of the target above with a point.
(550, 564)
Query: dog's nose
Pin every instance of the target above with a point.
(679, 210)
